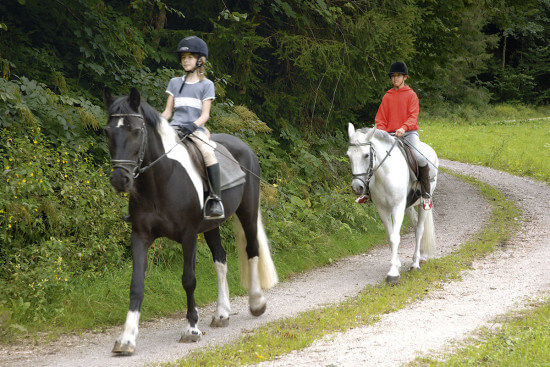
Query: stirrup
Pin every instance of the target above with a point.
(426, 203)
(213, 208)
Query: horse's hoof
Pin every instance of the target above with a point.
(192, 337)
(259, 311)
(219, 321)
(392, 280)
(413, 268)
(422, 262)
(123, 349)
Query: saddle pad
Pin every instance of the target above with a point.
(230, 171)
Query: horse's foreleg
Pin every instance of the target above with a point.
(221, 316)
(191, 332)
(393, 222)
(126, 342)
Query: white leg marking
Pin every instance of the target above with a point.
(221, 316)
(190, 334)
(127, 340)
(256, 299)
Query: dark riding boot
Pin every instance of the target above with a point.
(424, 178)
(213, 207)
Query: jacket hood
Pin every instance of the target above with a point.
(404, 89)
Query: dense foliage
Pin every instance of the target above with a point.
(305, 67)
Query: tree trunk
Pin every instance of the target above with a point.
(504, 52)
(160, 23)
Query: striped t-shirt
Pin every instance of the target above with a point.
(188, 103)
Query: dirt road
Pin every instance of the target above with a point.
(497, 284)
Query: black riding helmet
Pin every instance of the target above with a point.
(194, 45)
(398, 67)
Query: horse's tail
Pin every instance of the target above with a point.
(427, 243)
(266, 267)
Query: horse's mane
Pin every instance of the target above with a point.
(150, 114)
(381, 135)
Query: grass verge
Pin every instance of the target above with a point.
(283, 336)
(520, 147)
(522, 340)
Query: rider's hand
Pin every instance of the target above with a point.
(188, 129)
(399, 132)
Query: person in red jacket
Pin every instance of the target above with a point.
(398, 113)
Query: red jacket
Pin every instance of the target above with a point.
(399, 108)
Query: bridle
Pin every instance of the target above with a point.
(365, 177)
(136, 168)
(135, 165)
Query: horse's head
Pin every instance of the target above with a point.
(360, 156)
(127, 136)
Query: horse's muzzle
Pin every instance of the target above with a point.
(121, 180)
(358, 187)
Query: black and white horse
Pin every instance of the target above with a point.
(380, 168)
(166, 198)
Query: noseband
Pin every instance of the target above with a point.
(136, 165)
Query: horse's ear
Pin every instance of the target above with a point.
(107, 97)
(135, 99)
(351, 130)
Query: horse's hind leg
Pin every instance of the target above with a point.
(419, 232)
(221, 316)
(191, 332)
(249, 266)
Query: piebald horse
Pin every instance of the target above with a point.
(166, 196)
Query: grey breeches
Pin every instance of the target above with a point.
(414, 141)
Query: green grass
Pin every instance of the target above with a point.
(281, 337)
(521, 147)
(523, 340)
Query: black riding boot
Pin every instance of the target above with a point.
(424, 178)
(213, 207)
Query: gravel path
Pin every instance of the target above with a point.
(504, 281)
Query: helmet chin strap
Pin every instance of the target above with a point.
(198, 65)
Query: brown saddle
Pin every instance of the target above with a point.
(231, 174)
(196, 157)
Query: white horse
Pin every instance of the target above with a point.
(379, 166)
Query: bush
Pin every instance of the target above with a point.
(59, 217)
